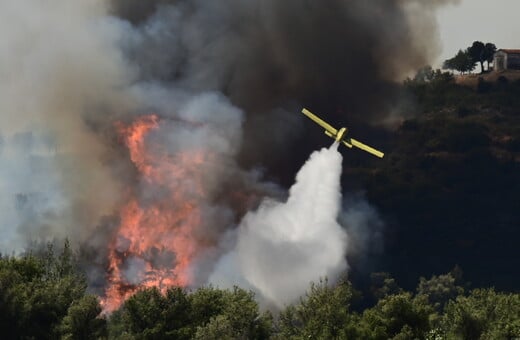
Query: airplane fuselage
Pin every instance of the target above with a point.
(339, 136)
(342, 133)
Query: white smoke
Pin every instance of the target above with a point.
(58, 60)
(365, 230)
(281, 247)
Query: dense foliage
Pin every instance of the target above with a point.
(449, 184)
(462, 62)
(44, 297)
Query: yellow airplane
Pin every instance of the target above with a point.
(341, 135)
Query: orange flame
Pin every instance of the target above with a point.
(156, 241)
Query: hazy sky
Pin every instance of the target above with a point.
(496, 21)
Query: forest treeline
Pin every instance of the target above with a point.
(44, 296)
(466, 60)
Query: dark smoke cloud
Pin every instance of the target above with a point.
(339, 57)
(263, 53)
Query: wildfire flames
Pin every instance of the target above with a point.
(156, 240)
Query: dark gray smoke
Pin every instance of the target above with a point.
(69, 70)
(263, 53)
(339, 57)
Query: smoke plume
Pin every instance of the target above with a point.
(59, 64)
(224, 79)
(269, 57)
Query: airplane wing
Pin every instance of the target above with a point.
(320, 122)
(365, 147)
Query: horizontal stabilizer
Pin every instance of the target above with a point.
(347, 144)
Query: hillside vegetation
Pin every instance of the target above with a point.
(449, 189)
(44, 297)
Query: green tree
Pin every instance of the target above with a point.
(218, 328)
(13, 273)
(399, 316)
(235, 315)
(36, 293)
(237, 309)
(484, 314)
(477, 53)
(142, 314)
(489, 53)
(322, 314)
(83, 320)
(440, 289)
(461, 62)
(151, 315)
(383, 285)
(481, 53)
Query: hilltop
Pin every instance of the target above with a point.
(472, 79)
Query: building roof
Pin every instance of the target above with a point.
(510, 51)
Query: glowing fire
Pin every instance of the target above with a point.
(156, 241)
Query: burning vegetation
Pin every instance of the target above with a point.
(156, 242)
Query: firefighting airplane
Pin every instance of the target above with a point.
(340, 136)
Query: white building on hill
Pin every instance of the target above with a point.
(505, 59)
